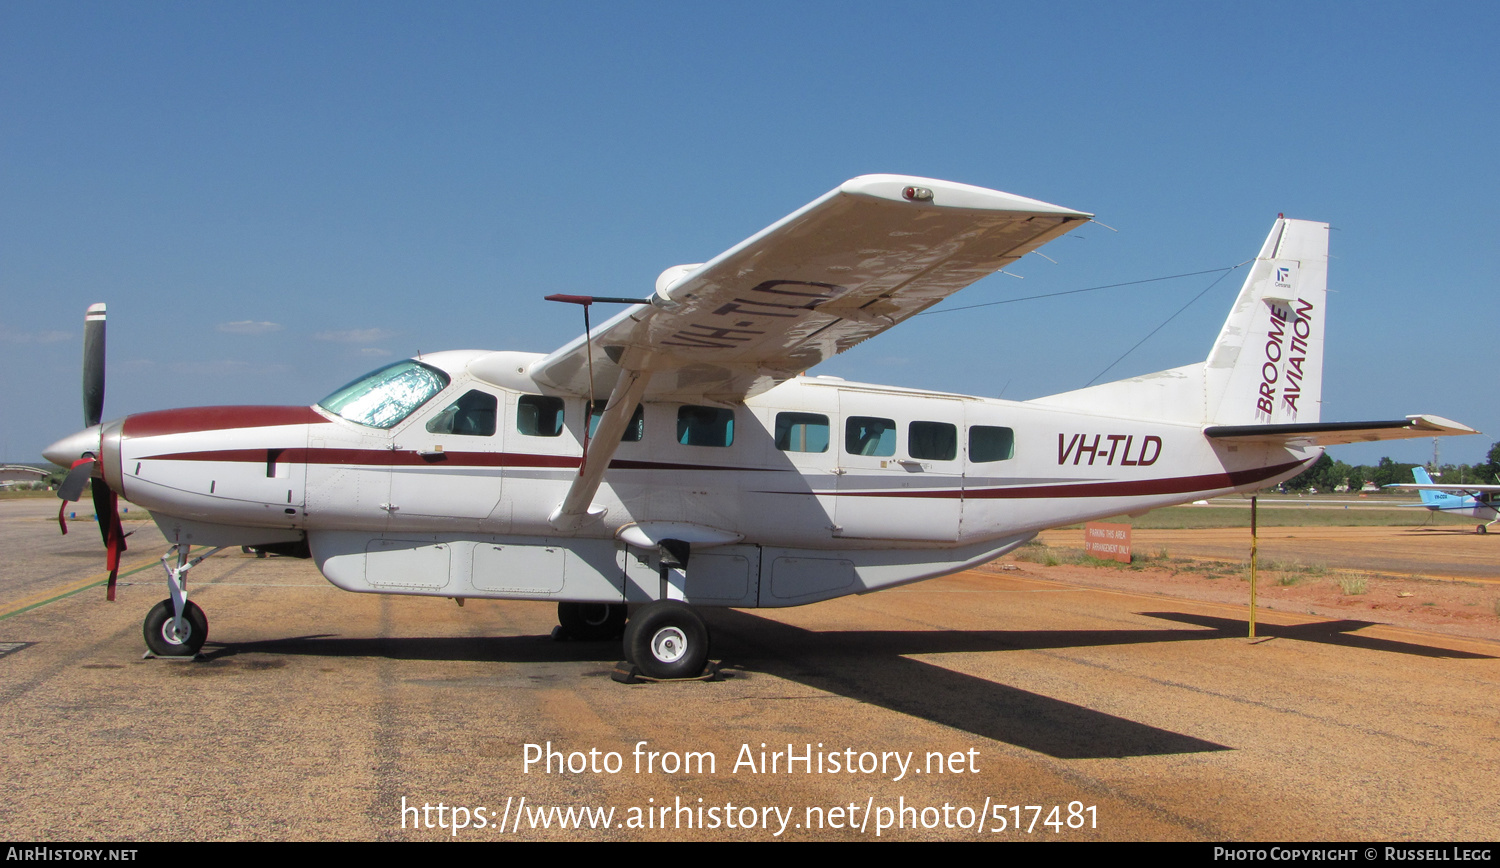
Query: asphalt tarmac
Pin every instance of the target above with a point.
(979, 707)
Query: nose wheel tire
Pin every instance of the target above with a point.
(667, 639)
(591, 622)
(162, 636)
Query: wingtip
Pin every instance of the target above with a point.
(1438, 424)
(951, 194)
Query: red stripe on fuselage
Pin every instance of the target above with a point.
(1141, 487)
(186, 421)
(1126, 488)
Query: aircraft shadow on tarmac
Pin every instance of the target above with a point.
(1339, 633)
(874, 667)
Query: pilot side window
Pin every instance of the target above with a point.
(539, 415)
(932, 441)
(705, 426)
(801, 432)
(635, 430)
(472, 415)
(867, 435)
(382, 398)
(989, 443)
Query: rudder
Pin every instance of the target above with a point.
(1266, 367)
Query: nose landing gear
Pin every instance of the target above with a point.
(177, 627)
(166, 639)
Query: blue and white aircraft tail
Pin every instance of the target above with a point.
(1479, 501)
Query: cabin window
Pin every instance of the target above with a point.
(987, 443)
(932, 441)
(539, 415)
(801, 432)
(382, 398)
(705, 426)
(635, 431)
(867, 435)
(473, 415)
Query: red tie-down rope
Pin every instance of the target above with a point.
(114, 544)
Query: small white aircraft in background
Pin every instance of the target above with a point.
(716, 473)
(1480, 501)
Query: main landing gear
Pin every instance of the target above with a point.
(591, 622)
(665, 639)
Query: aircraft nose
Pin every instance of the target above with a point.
(67, 450)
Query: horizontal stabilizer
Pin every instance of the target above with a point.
(1337, 433)
(1461, 488)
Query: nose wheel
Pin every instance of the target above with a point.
(168, 635)
(166, 638)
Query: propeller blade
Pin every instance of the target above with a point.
(93, 365)
(107, 507)
(103, 508)
(72, 485)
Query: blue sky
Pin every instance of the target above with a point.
(275, 197)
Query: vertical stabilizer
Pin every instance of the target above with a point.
(1430, 499)
(1266, 367)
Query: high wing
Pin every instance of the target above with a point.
(853, 263)
(867, 255)
(1338, 433)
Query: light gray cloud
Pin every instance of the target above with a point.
(355, 336)
(249, 327)
(42, 337)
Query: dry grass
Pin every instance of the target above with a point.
(1269, 515)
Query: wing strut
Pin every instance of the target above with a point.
(576, 509)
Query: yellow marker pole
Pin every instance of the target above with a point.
(1252, 567)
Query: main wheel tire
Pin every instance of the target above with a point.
(667, 639)
(164, 641)
(591, 622)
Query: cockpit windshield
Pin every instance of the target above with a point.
(382, 398)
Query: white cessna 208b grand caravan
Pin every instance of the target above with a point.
(678, 457)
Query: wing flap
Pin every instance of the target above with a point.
(851, 264)
(1338, 433)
